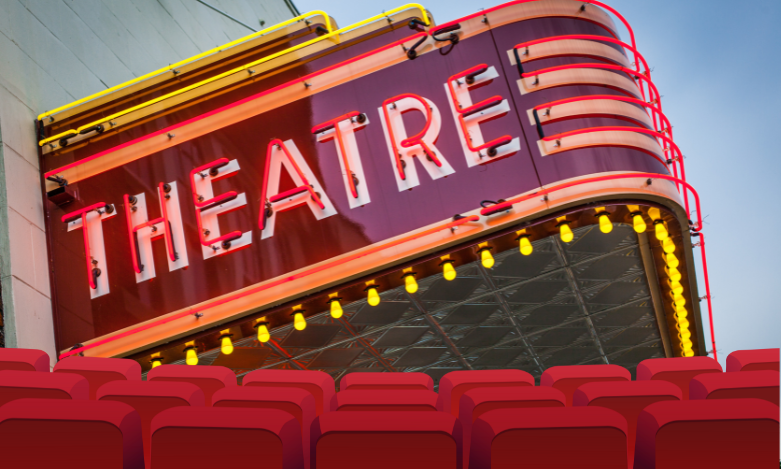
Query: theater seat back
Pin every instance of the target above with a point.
(70, 434)
(99, 371)
(708, 434)
(149, 399)
(23, 359)
(761, 384)
(32, 384)
(209, 378)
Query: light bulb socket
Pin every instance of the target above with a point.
(634, 214)
(562, 223)
(658, 221)
(603, 212)
(484, 248)
(370, 287)
(261, 323)
(523, 236)
(225, 335)
(331, 300)
(191, 347)
(446, 261)
(156, 359)
(293, 314)
(409, 274)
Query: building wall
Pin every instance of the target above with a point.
(53, 52)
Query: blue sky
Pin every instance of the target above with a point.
(715, 65)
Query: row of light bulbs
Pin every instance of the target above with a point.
(488, 261)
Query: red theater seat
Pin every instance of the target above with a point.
(386, 440)
(678, 371)
(753, 360)
(296, 402)
(568, 437)
(209, 437)
(746, 384)
(708, 434)
(366, 381)
(454, 384)
(100, 371)
(20, 384)
(64, 434)
(568, 378)
(385, 400)
(628, 399)
(478, 401)
(318, 383)
(209, 378)
(23, 359)
(149, 399)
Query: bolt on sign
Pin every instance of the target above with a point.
(297, 159)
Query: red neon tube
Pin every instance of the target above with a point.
(305, 187)
(169, 240)
(707, 293)
(651, 86)
(492, 209)
(132, 232)
(410, 141)
(197, 198)
(297, 81)
(274, 284)
(592, 38)
(641, 130)
(434, 31)
(463, 113)
(657, 112)
(334, 123)
(82, 213)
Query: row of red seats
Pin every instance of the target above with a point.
(462, 393)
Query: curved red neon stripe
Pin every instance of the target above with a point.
(433, 31)
(276, 283)
(619, 68)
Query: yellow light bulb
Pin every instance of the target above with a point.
(263, 334)
(191, 357)
(661, 230)
(336, 309)
(410, 284)
(687, 344)
(679, 301)
(676, 288)
(605, 225)
(486, 258)
(639, 223)
(685, 335)
(668, 245)
(373, 296)
(688, 353)
(226, 345)
(681, 313)
(566, 233)
(448, 271)
(299, 322)
(156, 362)
(526, 246)
(683, 324)
(672, 261)
(673, 274)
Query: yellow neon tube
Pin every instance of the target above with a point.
(239, 69)
(192, 59)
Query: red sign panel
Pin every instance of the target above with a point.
(348, 150)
